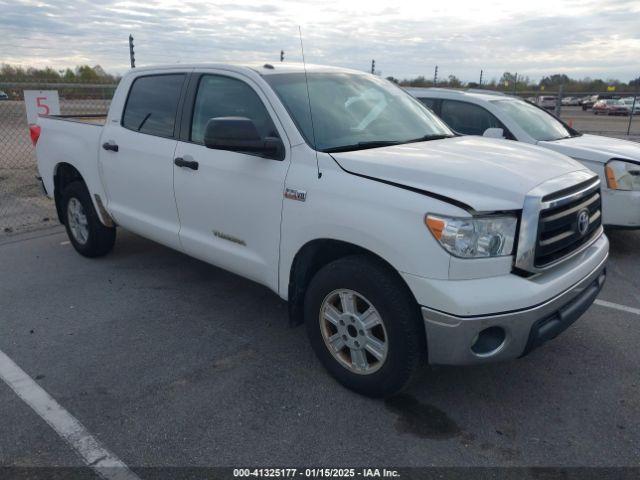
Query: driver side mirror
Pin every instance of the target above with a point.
(493, 133)
(240, 134)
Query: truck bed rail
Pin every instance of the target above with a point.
(89, 118)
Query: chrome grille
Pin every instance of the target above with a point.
(559, 227)
(549, 230)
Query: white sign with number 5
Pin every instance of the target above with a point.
(41, 102)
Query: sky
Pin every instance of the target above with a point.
(585, 38)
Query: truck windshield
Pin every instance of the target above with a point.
(537, 123)
(354, 112)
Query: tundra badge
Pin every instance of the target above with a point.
(294, 194)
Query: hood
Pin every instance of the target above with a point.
(595, 148)
(486, 174)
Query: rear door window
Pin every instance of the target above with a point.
(467, 118)
(153, 103)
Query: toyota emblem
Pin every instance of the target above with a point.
(583, 221)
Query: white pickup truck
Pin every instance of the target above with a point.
(395, 241)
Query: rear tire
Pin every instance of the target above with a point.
(86, 232)
(376, 354)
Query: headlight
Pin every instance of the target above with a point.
(622, 175)
(490, 236)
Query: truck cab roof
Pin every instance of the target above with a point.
(262, 68)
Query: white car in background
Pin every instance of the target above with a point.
(547, 101)
(616, 161)
(574, 101)
(628, 101)
(571, 101)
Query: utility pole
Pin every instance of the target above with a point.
(132, 56)
(480, 82)
(282, 55)
(435, 76)
(515, 83)
(373, 66)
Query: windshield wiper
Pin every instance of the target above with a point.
(384, 143)
(362, 146)
(426, 138)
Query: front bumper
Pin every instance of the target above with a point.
(454, 340)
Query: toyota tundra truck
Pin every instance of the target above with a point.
(396, 242)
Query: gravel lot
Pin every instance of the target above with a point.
(171, 362)
(587, 122)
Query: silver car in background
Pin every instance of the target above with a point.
(616, 161)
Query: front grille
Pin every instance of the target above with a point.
(558, 226)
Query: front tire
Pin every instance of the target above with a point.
(365, 326)
(86, 232)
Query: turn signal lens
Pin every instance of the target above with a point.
(611, 177)
(436, 225)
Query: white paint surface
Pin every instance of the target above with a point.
(617, 306)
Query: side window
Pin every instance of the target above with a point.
(220, 96)
(152, 104)
(467, 118)
(428, 102)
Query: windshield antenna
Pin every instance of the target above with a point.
(306, 80)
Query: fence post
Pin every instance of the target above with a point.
(635, 99)
(559, 100)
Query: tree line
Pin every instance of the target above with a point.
(80, 74)
(509, 82)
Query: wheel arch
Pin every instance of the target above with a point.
(314, 255)
(65, 173)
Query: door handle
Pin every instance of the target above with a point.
(181, 162)
(110, 146)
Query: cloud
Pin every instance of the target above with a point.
(581, 38)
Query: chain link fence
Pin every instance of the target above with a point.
(23, 207)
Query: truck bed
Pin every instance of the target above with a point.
(72, 139)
